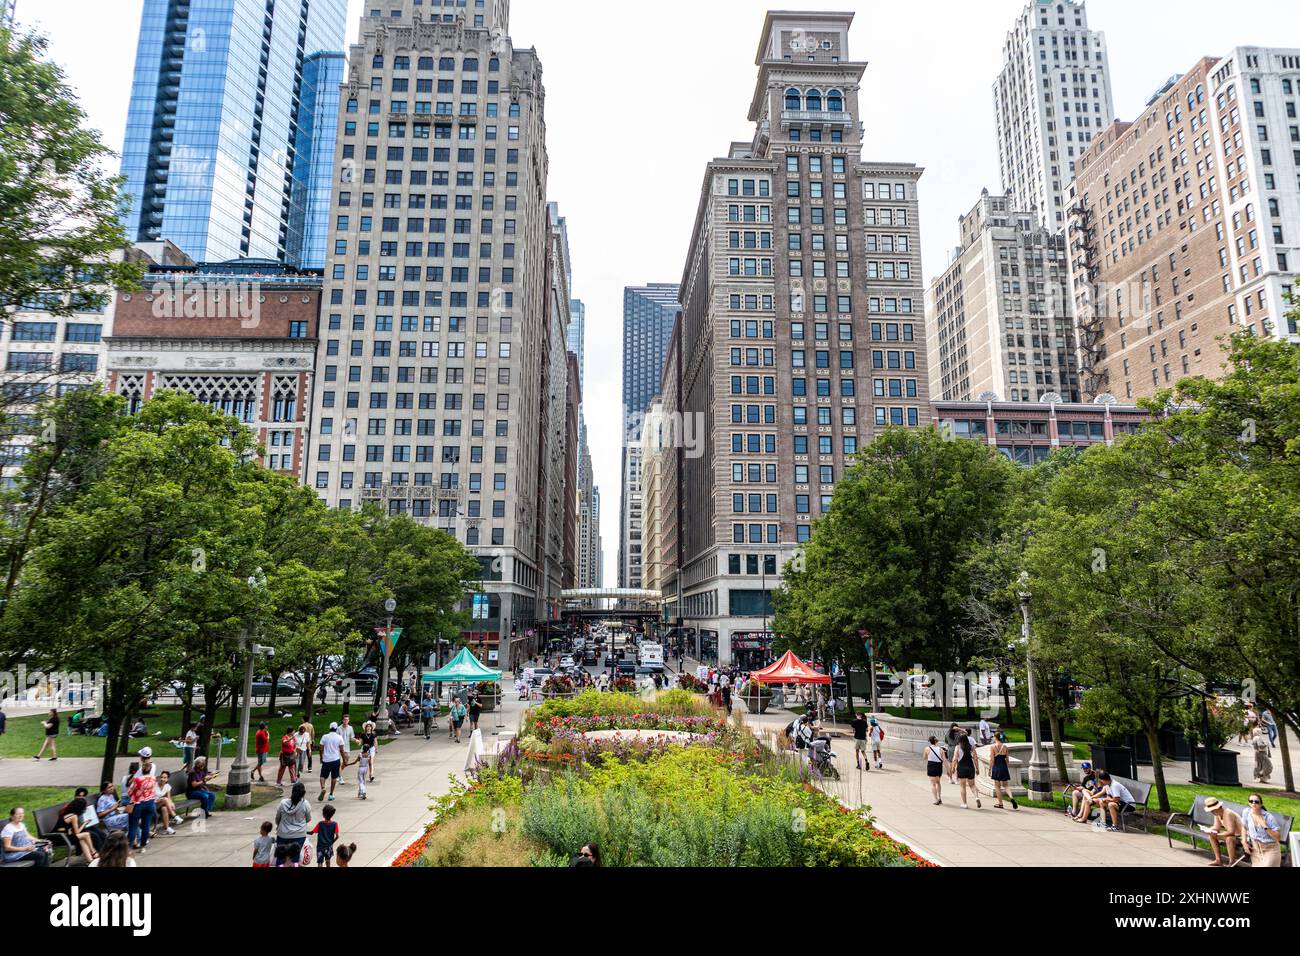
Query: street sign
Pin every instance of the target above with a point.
(389, 640)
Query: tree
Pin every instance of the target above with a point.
(151, 557)
(60, 231)
(891, 555)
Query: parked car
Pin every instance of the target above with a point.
(286, 686)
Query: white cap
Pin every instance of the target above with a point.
(146, 752)
(334, 726)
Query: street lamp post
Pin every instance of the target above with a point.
(390, 606)
(1040, 787)
(239, 781)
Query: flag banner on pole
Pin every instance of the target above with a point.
(389, 639)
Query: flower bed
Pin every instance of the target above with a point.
(623, 685)
(730, 804)
(546, 730)
(692, 684)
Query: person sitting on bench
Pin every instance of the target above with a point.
(1114, 799)
(1088, 786)
(1228, 829)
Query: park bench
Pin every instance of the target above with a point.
(1141, 796)
(16, 864)
(47, 821)
(1189, 824)
(180, 788)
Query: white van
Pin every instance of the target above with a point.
(651, 655)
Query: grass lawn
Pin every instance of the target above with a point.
(24, 735)
(1076, 738)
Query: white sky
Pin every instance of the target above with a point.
(641, 95)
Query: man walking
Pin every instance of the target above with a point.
(331, 753)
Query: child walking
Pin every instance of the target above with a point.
(326, 833)
(363, 771)
(263, 846)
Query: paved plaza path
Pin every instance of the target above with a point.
(899, 796)
(409, 771)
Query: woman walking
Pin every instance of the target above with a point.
(1263, 759)
(457, 716)
(954, 735)
(51, 737)
(291, 820)
(965, 765)
(935, 758)
(369, 749)
(1000, 771)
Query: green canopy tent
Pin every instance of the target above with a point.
(464, 669)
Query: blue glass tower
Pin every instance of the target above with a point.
(213, 144)
(313, 172)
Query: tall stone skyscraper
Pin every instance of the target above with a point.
(802, 336)
(216, 125)
(1052, 97)
(442, 370)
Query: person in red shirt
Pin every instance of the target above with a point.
(288, 758)
(263, 748)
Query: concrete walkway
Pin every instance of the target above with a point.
(410, 771)
(899, 797)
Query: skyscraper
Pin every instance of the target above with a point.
(1051, 98)
(1185, 225)
(999, 318)
(802, 336)
(223, 91)
(648, 315)
(313, 167)
(9, 11)
(442, 364)
(578, 337)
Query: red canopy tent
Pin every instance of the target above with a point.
(789, 670)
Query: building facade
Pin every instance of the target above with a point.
(1185, 225)
(802, 337)
(649, 312)
(215, 135)
(239, 337)
(631, 546)
(999, 319)
(442, 362)
(1051, 98)
(45, 355)
(1030, 433)
(313, 167)
(648, 315)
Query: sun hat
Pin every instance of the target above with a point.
(1212, 804)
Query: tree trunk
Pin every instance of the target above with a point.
(1288, 775)
(1058, 745)
(113, 715)
(208, 719)
(970, 704)
(1157, 764)
(187, 706)
(275, 682)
